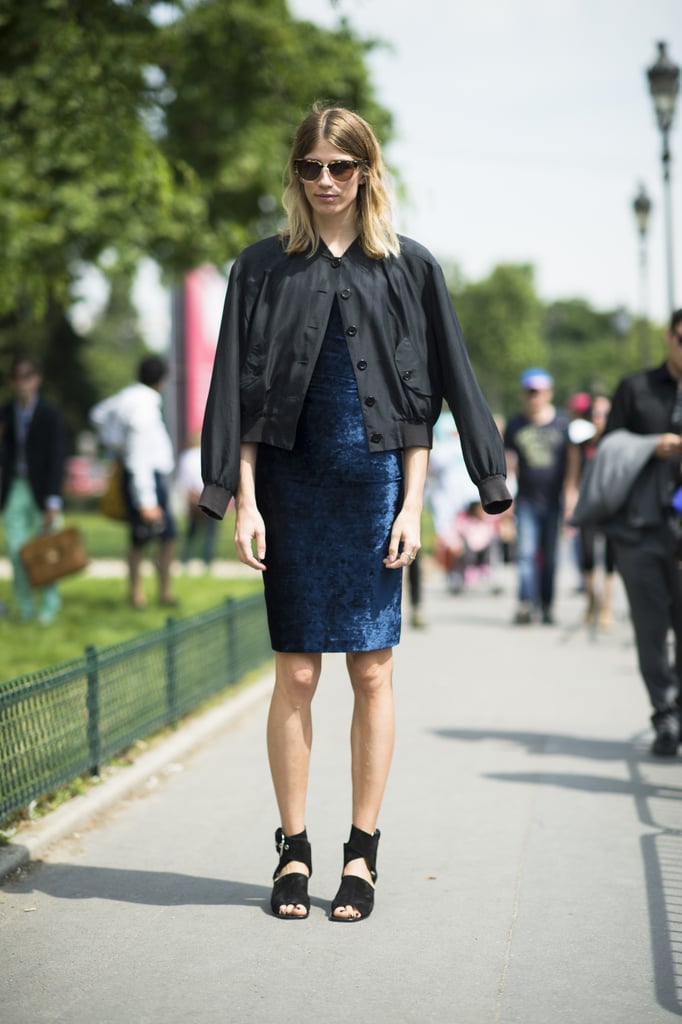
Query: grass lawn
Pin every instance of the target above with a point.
(96, 611)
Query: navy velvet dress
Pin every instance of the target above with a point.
(329, 505)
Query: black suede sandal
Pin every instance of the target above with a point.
(355, 891)
(291, 888)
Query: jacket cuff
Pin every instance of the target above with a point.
(214, 501)
(495, 496)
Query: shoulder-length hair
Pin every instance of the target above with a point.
(350, 134)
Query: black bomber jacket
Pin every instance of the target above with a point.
(405, 343)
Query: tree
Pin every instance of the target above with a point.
(80, 172)
(500, 318)
(122, 134)
(124, 137)
(115, 345)
(588, 350)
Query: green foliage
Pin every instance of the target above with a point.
(115, 345)
(79, 171)
(582, 346)
(125, 136)
(501, 319)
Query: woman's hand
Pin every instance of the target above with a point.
(405, 539)
(249, 526)
(249, 529)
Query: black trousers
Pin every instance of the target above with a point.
(653, 583)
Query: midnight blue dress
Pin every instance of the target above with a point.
(329, 506)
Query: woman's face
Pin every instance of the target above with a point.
(329, 197)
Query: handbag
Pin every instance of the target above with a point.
(50, 556)
(112, 503)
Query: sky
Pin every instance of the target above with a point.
(523, 130)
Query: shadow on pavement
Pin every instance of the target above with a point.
(661, 849)
(150, 888)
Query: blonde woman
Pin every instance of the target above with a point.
(337, 346)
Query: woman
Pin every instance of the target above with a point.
(337, 345)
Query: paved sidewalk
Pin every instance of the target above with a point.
(530, 868)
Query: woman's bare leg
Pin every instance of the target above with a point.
(289, 739)
(372, 740)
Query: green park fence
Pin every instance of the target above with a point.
(67, 720)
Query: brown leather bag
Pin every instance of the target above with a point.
(112, 503)
(50, 556)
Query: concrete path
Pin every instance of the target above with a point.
(530, 868)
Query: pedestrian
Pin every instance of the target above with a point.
(201, 531)
(594, 547)
(337, 345)
(646, 533)
(33, 439)
(131, 424)
(545, 465)
(414, 593)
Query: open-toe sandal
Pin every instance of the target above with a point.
(354, 891)
(291, 888)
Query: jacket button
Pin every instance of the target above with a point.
(345, 294)
(351, 331)
(407, 374)
(370, 400)
(362, 365)
(336, 262)
(375, 438)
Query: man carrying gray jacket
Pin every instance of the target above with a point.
(646, 534)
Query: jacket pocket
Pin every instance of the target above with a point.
(414, 378)
(251, 392)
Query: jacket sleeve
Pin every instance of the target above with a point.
(620, 411)
(221, 431)
(482, 445)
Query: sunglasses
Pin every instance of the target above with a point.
(340, 170)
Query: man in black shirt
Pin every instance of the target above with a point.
(646, 533)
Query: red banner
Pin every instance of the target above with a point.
(204, 297)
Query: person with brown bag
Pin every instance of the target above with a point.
(33, 445)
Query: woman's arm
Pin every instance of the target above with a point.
(405, 539)
(249, 525)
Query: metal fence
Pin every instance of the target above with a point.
(61, 722)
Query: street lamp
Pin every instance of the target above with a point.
(642, 208)
(664, 84)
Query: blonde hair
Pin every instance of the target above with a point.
(350, 134)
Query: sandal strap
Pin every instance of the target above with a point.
(354, 892)
(292, 848)
(288, 889)
(365, 845)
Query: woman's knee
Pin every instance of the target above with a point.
(370, 671)
(297, 678)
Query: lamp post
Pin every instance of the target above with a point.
(664, 84)
(642, 208)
